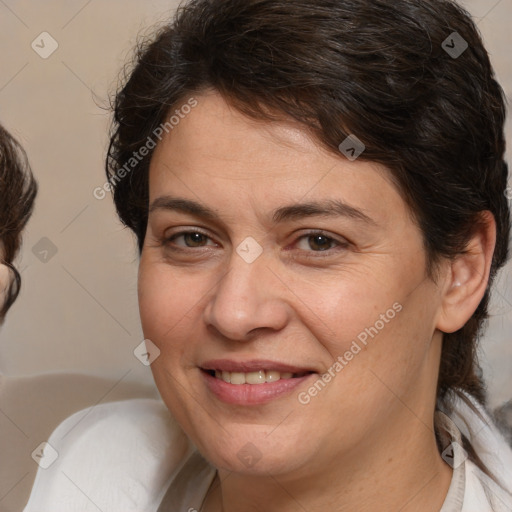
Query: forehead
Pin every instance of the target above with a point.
(215, 129)
(216, 151)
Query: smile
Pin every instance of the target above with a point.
(252, 382)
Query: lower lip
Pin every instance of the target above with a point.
(252, 394)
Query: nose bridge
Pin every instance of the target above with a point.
(239, 286)
(245, 299)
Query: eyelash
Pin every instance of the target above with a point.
(337, 243)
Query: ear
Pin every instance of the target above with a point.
(467, 276)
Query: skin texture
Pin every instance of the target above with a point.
(366, 441)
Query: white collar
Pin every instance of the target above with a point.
(471, 489)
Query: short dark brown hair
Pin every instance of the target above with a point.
(380, 70)
(18, 190)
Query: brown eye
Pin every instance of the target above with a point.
(194, 239)
(316, 243)
(320, 242)
(191, 239)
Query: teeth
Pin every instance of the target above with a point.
(236, 378)
(259, 377)
(255, 377)
(272, 376)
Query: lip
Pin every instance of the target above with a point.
(252, 394)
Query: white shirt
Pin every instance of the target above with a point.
(131, 456)
(114, 457)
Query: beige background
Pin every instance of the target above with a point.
(78, 312)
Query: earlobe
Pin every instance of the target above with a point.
(468, 275)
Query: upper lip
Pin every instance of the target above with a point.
(252, 365)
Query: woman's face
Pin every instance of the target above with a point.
(270, 261)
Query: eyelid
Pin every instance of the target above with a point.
(184, 231)
(319, 232)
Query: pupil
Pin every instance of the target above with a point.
(195, 238)
(320, 242)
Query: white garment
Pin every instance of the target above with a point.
(471, 490)
(114, 457)
(131, 456)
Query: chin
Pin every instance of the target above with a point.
(249, 450)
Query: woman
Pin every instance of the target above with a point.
(17, 192)
(318, 194)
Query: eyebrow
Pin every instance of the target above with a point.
(182, 205)
(326, 208)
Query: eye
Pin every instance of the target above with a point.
(191, 239)
(316, 242)
(319, 242)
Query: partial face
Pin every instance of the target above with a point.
(285, 287)
(5, 281)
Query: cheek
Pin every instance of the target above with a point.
(384, 346)
(162, 300)
(169, 301)
(347, 307)
(378, 324)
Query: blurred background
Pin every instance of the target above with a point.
(77, 312)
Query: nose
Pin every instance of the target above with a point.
(248, 298)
